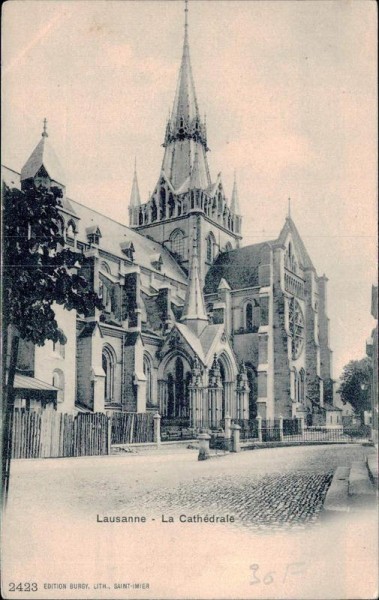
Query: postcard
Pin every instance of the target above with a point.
(189, 194)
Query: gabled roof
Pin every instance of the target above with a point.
(191, 338)
(290, 227)
(239, 268)
(43, 155)
(208, 336)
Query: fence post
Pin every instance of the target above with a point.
(203, 446)
(236, 447)
(259, 426)
(109, 425)
(157, 429)
(280, 428)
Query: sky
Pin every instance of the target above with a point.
(289, 93)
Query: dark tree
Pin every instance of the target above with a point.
(355, 384)
(38, 271)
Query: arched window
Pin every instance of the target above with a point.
(105, 267)
(171, 205)
(296, 386)
(154, 211)
(58, 382)
(302, 386)
(249, 317)
(210, 247)
(177, 243)
(162, 202)
(222, 373)
(108, 364)
(228, 247)
(148, 374)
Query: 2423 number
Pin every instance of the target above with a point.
(23, 587)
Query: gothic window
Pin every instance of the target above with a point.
(249, 317)
(295, 386)
(177, 243)
(210, 247)
(302, 386)
(171, 205)
(105, 267)
(105, 296)
(58, 382)
(222, 374)
(148, 374)
(290, 259)
(228, 247)
(296, 326)
(108, 364)
(163, 203)
(154, 211)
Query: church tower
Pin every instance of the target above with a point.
(185, 200)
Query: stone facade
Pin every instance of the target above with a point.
(194, 325)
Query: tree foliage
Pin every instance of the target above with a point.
(38, 270)
(355, 384)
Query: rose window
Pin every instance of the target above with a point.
(296, 327)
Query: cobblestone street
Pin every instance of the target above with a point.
(277, 487)
(275, 495)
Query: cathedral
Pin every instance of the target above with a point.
(194, 325)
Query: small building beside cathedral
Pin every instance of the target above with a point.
(194, 325)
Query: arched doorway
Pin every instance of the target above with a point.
(177, 392)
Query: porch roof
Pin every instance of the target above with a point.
(24, 382)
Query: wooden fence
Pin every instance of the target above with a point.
(50, 434)
(132, 428)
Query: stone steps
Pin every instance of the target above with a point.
(352, 488)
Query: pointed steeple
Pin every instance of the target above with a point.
(135, 199)
(44, 156)
(234, 206)
(194, 313)
(185, 132)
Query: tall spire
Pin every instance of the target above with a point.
(135, 199)
(185, 131)
(234, 206)
(194, 313)
(289, 208)
(44, 133)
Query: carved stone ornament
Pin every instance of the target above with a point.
(175, 340)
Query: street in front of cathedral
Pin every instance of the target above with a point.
(261, 513)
